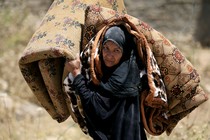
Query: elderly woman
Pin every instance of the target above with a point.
(112, 108)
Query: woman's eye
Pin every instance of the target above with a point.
(117, 51)
(105, 49)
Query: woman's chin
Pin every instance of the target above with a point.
(109, 65)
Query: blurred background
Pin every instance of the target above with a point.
(186, 23)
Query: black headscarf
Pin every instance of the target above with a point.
(120, 36)
(123, 79)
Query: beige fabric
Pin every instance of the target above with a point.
(57, 38)
(180, 77)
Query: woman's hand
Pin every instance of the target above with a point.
(74, 66)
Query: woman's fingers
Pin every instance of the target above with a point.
(73, 66)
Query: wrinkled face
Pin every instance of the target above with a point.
(111, 54)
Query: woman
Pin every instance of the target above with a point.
(112, 108)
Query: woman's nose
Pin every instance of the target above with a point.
(110, 55)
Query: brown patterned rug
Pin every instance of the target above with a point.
(67, 28)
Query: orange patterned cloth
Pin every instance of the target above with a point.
(180, 78)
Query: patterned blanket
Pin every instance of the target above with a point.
(61, 36)
(174, 89)
(57, 38)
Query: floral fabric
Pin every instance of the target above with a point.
(180, 78)
(58, 38)
(61, 36)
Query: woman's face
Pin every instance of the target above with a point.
(111, 54)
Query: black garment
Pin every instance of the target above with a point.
(120, 36)
(109, 118)
(112, 109)
(124, 81)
